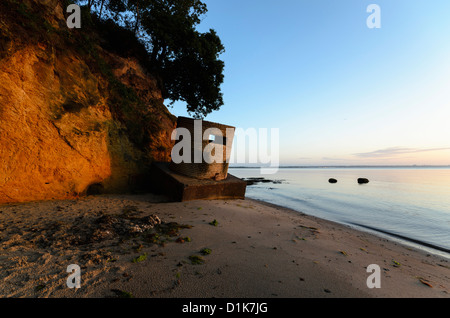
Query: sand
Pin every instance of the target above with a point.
(253, 250)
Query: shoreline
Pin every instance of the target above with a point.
(404, 240)
(255, 250)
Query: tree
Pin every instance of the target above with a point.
(195, 74)
(186, 60)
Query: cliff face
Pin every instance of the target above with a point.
(72, 122)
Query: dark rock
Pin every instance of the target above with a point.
(363, 180)
(253, 181)
(332, 180)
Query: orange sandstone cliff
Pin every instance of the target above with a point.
(75, 117)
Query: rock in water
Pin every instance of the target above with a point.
(363, 180)
(332, 180)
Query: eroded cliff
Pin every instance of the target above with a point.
(75, 118)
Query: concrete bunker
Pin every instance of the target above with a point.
(206, 139)
(197, 177)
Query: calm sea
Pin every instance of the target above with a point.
(408, 204)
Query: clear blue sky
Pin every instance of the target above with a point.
(339, 92)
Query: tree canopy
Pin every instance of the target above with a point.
(187, 60)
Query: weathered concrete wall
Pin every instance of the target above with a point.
(224, 136)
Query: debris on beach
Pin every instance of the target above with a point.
(396, 264)
(109, 227)
(214, 223)
(425, 282)
(122, 294)
(94, 228)
(196, 260)
(140, 258)
(206, 251)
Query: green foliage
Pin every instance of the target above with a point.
(396, 264)
(195, 74)
(140, 258)
(122, 294)
(206, 251)
(186, 60)
(128, 108)
(196, 260)
(32, 24)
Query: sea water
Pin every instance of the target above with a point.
(407, 204)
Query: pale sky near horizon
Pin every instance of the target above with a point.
(339, 92)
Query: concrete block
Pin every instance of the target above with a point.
(182, 188)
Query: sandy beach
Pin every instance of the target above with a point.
(140, 246)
